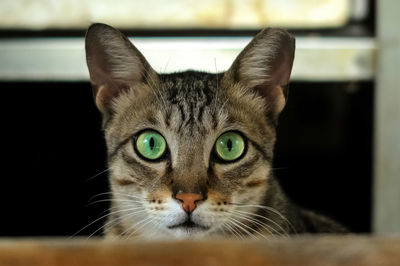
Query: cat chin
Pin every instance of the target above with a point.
(188, 233)
(188, 229)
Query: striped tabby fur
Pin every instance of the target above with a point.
(191, 109)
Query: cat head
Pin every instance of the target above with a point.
(189, 153)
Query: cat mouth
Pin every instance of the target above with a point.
(189, 225)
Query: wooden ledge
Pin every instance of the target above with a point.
(305, 250)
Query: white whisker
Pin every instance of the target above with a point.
(102, 217)
(265, 218)
(233, 230)
(96, 175)
(110, 223)
(145, 221)
(252, 220)
(268, 209)
(240, 229)
(115, 200)
(243, 225)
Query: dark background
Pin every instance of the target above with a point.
(53, 148)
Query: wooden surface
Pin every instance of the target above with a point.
(321, 250)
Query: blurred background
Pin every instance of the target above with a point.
(337, 148)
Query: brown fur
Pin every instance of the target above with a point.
(191, 110)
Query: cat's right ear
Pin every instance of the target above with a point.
(264, 66)
(115, 65)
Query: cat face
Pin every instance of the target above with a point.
(189, 153)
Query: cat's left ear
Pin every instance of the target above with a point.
(265, 65)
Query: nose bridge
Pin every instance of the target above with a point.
(190, 176)
(189, 154)
(190, 182)
(190, 173)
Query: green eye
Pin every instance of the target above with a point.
(151, 145)
(229, 146)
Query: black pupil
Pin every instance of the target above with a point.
(151, 143)
(229, 145)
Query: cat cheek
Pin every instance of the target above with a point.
(216, 198)
(157, 197)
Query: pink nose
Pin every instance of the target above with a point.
(189, 201)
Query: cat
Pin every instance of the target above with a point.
(190, 154)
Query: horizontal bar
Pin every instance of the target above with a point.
(312, 251)
(63, 59)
